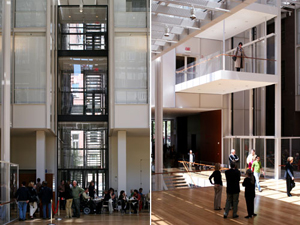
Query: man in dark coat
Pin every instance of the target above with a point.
(46, 196)
(22, 197)
(233, 177)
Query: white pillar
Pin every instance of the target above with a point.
(5, 109)
(41, 155)
(158, 124)
(223, 57)
(122, 171)
(277, 154)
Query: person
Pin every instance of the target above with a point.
(61, 190)
(233, 158)
(251, 158)
(249, 184)
(76, 192)
(233, 177)
(38, 185)
(218, 185)
(107, 198)
(256, 168)
(22, 196)
(142, 199)
(240, 55)
(46, 196)
(33, 200)
(90, 202)
(69, 200)
(135, 200)
(191, 156)
(289, 176)
(123, 200)
(92, 190)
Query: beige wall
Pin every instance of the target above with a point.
(137, 163)
(23, 151)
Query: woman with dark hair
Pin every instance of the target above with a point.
(218, 185)
(240, 55)
(123, 200)
(249, 184)
(289, 176)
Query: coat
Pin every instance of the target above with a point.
(233, 177)
(240, 61)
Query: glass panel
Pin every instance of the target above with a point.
(244, 154)
(285, 153)
(130, 13)
(237, 148)
(30, 69)
(31, 13)
(226, 154)
(85, 30)
(83, 145)
(296, 153)
(82, 86)
(270, 158)
(131, 77)
(259, 149)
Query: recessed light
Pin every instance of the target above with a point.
(69, 16)
(96, 16)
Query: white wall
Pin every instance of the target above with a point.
(169, 69)
(193, 43)
(132, 116)
(29, 116)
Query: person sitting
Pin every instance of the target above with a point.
(113, 197)
(142, 199)
(88, 199)
(135, 200)
(123, 200)
(107, 199)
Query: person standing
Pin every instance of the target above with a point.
(33, 200)
(240, 55)
(92, 190)
(233, 158)
(76, 192)
(69, 200)
(218, 185)
(191, 156)
(46, 196)
(38, 185)
(256, 167)
(289, 176)
(251, 158)
(61, 190)
(249, 184)
(233, 177)
(22, 196)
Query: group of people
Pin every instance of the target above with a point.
(33, 195)
(250, 182)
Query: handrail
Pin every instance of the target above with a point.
(201, 164)
(5, 203)
(216, 56)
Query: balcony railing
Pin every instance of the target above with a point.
(259, 58)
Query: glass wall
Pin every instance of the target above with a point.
(30, 68)
(86, 30)
(31, 13)
(131, 75)
(130, 13)
(82, 86)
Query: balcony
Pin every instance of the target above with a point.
(215, 74)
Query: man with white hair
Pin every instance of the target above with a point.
(191, 159)
(76, 192)
(233, 158)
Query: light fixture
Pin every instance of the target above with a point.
(193, 16)
(81, 7)
(167, 31)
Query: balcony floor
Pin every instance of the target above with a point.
(224, 82)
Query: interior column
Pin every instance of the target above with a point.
(41, 155)
(158, 125)
(122, 171)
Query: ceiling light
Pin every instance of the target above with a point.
(167, 31)
(81, 7)
(193, 16)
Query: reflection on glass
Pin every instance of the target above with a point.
(270, 158)
(79, 31)
(83, 86)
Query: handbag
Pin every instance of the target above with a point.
(234, 58)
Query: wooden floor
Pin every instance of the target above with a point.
(142, 218)
(195, 206)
